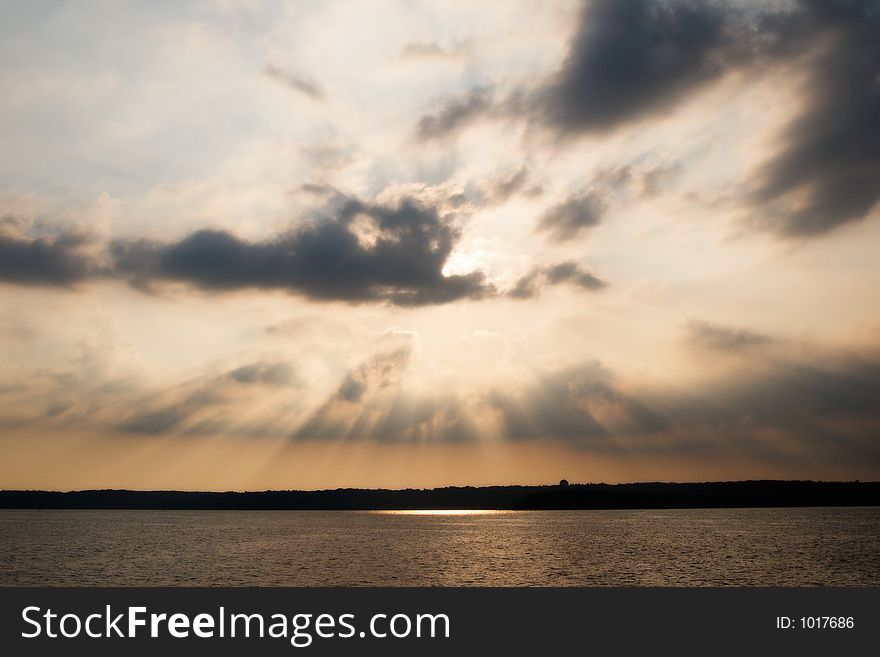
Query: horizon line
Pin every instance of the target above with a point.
(433, 488)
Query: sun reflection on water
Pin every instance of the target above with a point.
(440, 512)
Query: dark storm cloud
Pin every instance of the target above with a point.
(60, 260)
(401, 263)
(704, 335)
(636, 58)
(359, 253)
(296, 82)
(532, 284)
(629, 58)
(573, 216)
(828, 171)
(454, 113)
(632, 58)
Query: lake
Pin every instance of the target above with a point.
(695, 547)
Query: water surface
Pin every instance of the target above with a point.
(765, 547)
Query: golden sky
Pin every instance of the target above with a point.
(249, 245)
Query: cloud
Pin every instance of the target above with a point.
(570, 272)
(400, 417)
(330, 154)
(799, 408)
(532, 284)
(795, 404)
(296, 82)
(455, 113)
(582, 403)
(264, 373)
(91, 382)
(155, 422)
(63, 260)
(788, 407)
(358, 252)
(318, 189)
(791, 406)
(654, 178)
(380, 371)
(630, 59)
(507, 184)
(573, 216)
(351, 389)
(608, 186)
(365, 253)
(704, 335)
(634, 60)
(211, 403)
(194, 407)
(435, 50)
(634, 180)
(15, 327)
(827, 172)
(371, 403)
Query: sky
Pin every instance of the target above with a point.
(249, 245)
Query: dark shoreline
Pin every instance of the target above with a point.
(654, 495)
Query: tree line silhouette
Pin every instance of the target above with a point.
(653, 495)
